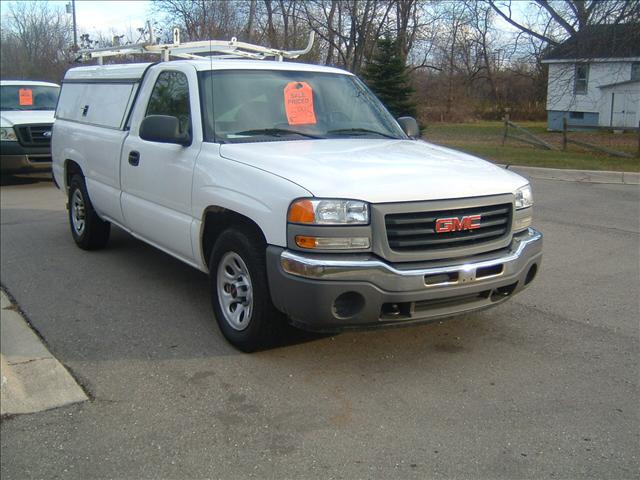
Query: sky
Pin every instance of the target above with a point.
(93, 16)
(122, 16)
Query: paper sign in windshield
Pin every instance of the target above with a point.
(25, 96)
(298, 103)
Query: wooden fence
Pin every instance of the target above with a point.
(525, 136)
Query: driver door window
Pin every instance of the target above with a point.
(170, 96)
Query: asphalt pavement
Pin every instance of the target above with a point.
(543, 386)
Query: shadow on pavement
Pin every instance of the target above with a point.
(290, 336)
(7, 180)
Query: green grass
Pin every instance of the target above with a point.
(484, 139)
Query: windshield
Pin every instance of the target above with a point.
(267, 105)
(28, 97)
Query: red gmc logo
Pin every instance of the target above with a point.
(455, 224)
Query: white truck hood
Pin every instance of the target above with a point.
(9, 118)
(376, 171)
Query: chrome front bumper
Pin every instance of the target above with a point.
(311, 288)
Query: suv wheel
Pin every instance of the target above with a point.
(88, 230)
(240, 292)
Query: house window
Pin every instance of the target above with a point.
(576, 115)
(635, 71)
(582, 78)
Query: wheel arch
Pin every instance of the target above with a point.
(71, 168)
(68, 159)
(216, 219)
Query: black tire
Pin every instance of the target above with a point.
(260, 328)
(94, 233)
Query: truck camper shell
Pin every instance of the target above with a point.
(100, 95)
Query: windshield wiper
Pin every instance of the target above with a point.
(363, 131)
(276, 132)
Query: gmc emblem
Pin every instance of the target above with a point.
(455, 224)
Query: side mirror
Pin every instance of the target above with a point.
(163, 129)
(409, 126)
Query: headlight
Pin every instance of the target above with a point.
(8, 134)
(329, 212)
(524, 197)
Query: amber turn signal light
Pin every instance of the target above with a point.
(301, 211)
(332, 243)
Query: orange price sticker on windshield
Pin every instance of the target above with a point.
(25, 96)
(298, 103)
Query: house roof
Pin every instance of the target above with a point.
(600, 41)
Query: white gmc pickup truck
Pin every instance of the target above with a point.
(295, 189)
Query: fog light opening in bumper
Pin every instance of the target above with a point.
(531, 274)
(503, 292)
(348, 305)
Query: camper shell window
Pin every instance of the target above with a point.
(101, 104)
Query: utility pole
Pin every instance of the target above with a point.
(75, 31)
(71, 8)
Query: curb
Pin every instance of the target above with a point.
(32, 379)
(586, 176)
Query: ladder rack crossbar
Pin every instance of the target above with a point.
(202, 49)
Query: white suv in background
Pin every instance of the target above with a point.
(26, 119)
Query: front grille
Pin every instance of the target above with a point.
(415, 231)
(34, 135)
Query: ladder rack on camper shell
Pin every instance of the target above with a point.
(203, 49)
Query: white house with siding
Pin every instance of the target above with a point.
(594, 79)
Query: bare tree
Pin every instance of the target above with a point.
(36, 41)
(202, 19)
(461, 64)
(284, 23)
(560, 19)
(484, 42)
(348, 28)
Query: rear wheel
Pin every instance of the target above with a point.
(240, 291)
(89, 231)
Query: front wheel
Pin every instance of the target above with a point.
(240, 292)
(89, 231)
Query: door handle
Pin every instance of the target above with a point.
(134, 158)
